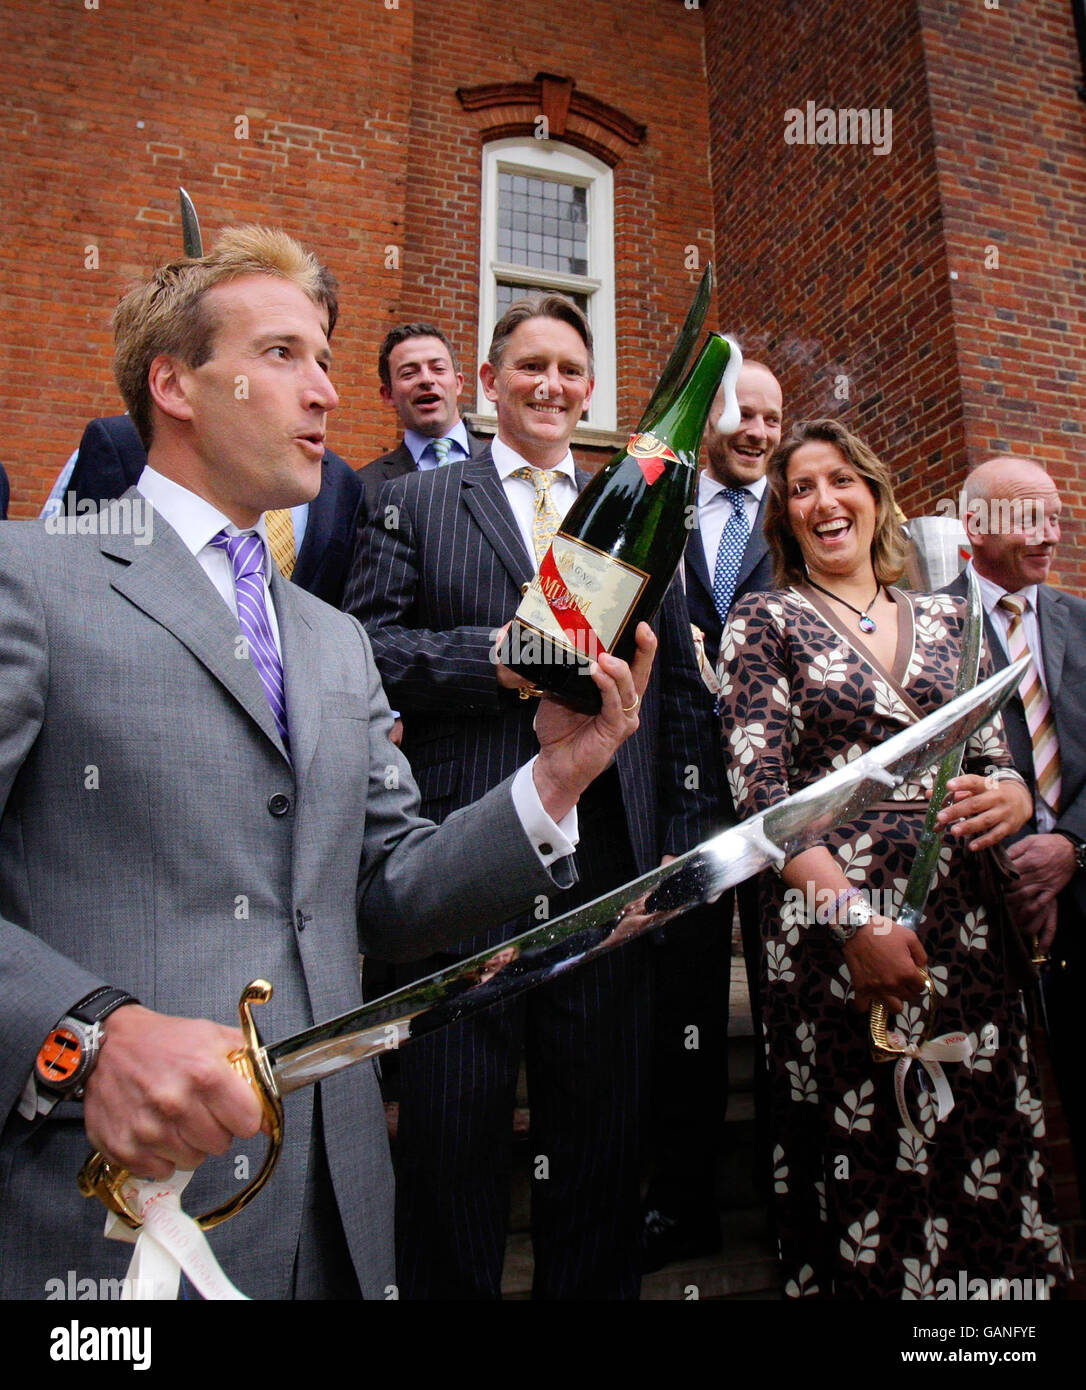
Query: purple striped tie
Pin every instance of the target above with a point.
(246, 554)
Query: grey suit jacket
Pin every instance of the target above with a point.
(1062, 620)
(155, 836)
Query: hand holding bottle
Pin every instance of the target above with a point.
(575, 748)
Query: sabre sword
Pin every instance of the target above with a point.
(501, 973)
(926, 861)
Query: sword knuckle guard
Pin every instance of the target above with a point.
(107, 1181)
(883, 1047)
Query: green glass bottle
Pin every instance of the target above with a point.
(619, 545)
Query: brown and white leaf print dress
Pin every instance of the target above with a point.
(864, 1209)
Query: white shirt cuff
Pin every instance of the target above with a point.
(550, 841)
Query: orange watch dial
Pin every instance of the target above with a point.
(59, 1056)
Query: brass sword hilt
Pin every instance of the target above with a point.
(107, 1181)
(883, 1047)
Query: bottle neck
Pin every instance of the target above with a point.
(681, 422)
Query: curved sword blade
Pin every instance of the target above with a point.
(541, 954)
(190, 227)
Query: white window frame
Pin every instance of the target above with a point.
(551, 159)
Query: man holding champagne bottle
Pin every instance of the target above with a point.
(440, 571)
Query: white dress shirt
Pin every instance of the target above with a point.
(715, 511)
(417, 444)
(521, 493)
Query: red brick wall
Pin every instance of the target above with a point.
(832, 256)
(1011, 146)
(840, 263)
(356, 142)
(122, 103)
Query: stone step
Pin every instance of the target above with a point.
(746, 1267)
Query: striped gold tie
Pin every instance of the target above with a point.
(1038, 707)
(547, 518)
(281, 539)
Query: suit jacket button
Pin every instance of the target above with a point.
(279, 804)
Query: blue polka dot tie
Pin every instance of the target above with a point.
(729, 555)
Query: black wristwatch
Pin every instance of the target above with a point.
(1079, 846)
(67, 1056)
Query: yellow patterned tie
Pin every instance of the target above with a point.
(1038, 707)
(547, 518)
(281, 539)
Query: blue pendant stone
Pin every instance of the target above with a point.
(867, 624)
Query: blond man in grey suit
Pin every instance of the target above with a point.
(198, 788)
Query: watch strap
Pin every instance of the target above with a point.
(1079, 846)
(100, 1003)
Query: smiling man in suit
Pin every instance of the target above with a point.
(421, 381)
(1012, 519)
(726, 557)
(439, 571)
(204, 748)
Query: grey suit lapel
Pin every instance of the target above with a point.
(1052, 617)
(485, 499)
(167, 583)
(303, 682)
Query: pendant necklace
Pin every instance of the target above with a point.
(867, 623)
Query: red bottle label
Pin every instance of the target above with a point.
(565, 609)
(581, 598)
(650, 453)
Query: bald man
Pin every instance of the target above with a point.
(1012, 518)
(726, 557)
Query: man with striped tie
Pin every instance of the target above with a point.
(197, 786)
(1012, 517)
(422, 382)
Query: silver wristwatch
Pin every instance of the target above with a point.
(857, 914)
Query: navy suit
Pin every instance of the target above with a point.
(692, 965)
(755, 575)
(1062, 621)
(398, 462)
(112, 457)
(431, 587)
(5, 494)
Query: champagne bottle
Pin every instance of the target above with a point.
(619, 545)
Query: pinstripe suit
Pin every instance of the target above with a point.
(438, 572)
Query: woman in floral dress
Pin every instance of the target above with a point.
(871, 1201)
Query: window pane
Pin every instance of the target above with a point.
(556, 216)
(507, 294)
